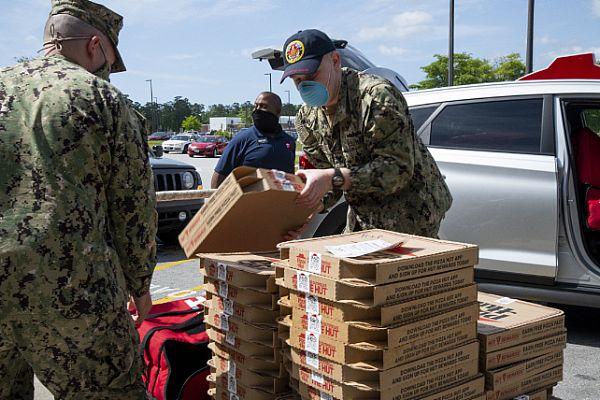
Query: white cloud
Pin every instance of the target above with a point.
(546, 40)
(596, 7)
(391, 50)
(401, 26)
(570, 50)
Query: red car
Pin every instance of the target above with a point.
(209, 146)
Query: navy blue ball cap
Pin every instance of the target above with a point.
(303, 51)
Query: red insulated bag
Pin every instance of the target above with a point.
(175, 348)
(588, 170)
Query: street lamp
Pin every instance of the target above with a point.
(529, 55)
(270, 85)
(451, 45)
(289, 106)
(151, 101)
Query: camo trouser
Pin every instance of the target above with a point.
(89, 357)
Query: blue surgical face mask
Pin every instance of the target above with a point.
(313, 93)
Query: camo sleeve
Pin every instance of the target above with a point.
(388, 128)
(132, 202)
(310, 143)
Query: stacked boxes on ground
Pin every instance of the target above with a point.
(521, 347)
(241, 315)
(381, 315)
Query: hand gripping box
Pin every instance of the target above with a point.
(251, 211)
(523, 351)
(505, 322)
(368, 295)
(390, 314)
(386, 256)
(245, 297)
(468, 390)
(531, 384)
(242, 270)
(514, 373)
(390, 337)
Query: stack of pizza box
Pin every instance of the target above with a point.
(381, 315)
(241, 315)
(521, 347)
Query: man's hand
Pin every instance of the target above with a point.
(318, 183)
(296, 233)
(139, 307)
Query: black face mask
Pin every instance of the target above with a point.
(266, 122)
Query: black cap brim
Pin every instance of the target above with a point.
(307, 66)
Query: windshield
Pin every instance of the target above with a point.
(206, 139)
(181, 137)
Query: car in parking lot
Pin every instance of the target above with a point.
(178, 143)
(160, 136)
(208, 146)
(509, 154)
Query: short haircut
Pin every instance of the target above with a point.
(69, 26)
(272, 98)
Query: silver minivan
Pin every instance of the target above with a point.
(506, 152)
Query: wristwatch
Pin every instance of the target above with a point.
(338, 180)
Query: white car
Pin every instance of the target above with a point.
(178, 143)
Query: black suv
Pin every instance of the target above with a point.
(170, 175)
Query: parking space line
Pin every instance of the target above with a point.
(172, 264)
(180, 294)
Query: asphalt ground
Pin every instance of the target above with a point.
(178, 277)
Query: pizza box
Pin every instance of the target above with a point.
(531, 384)
(246, 297)
(235, 328)
(511, 374)
(231, 375)
(250, 349)
(386, 256)
(245, 313)
(243, 270)
(523, 352)
(265, 365)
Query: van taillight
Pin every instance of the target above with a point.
(303, 162)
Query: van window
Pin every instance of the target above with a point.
(510, 126)
(420, 115)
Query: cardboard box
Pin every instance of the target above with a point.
(235, 328)
(220, 392)
(251, 211)
(531, 384)
(243, 270)
(506, 322)
(441, 369)
(262, 364)
(507, 376)
(245, 297)
(386, 338)
(415, 257)
(246, 313)
(523, 352)
(231, 375)
(544, 394)
(384, 315)
(369, 295)
(370, 358)
(469, 390)
(247, 348)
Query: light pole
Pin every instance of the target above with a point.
(529, 56)
(289, 106)
(151, 101)
(451, 45)
(158, 124)
(270, 85)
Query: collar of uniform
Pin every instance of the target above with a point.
(259, 134)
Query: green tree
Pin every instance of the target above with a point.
(469, 70)
(191, 123)
(245, 113)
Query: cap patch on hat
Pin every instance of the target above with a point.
(294, 51)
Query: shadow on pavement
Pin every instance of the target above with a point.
(583, 325)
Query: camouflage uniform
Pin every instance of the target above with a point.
(77, 228)
(396, 184)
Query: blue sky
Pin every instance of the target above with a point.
(200, 49)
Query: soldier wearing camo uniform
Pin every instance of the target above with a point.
(77, 216)
(357, 132)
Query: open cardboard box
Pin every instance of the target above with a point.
(253, 208)
(371, 359)
(243, 296)
(523, 351)
(514, 373)
(532, 384)
(381, 316)
(505, 322)
(244, 270)
(390, 337)
(351, 292)
(471, 389)
(250, 314)
(234, 375)
(414, 257)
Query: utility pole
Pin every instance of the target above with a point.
(151, 102)
(289, 106)
(451, 46)
(529, 57)
(270, 85)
